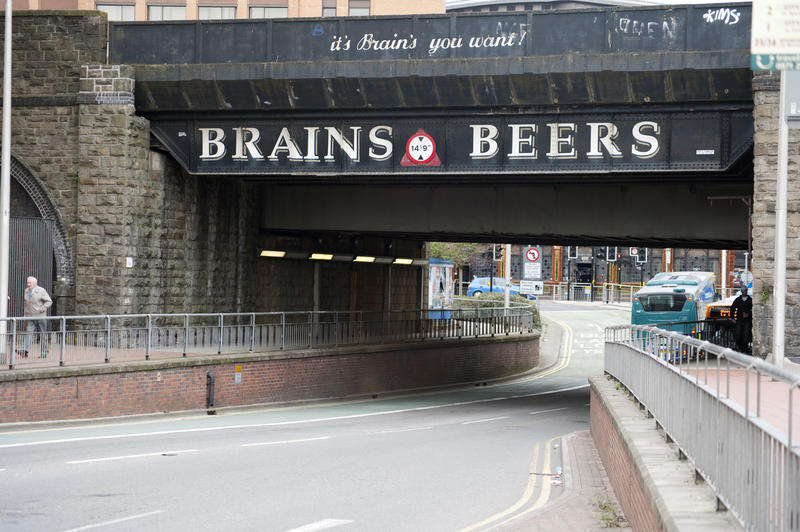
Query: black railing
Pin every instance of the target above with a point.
(719, 332)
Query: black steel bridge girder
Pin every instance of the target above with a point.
(572, 80)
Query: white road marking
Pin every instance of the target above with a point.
(285, 441)
(546, 411)
(110, 458)
(321, 525)
(283, 423)
(393, 431)
(484, 420)
(114, 521)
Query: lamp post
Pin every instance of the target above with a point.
(5, 178)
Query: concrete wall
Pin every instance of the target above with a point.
(655, 485)
(176, 385)
(766, 87)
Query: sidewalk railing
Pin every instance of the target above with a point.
(105, 338)
(736, 417)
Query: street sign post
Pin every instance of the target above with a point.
(531, 282)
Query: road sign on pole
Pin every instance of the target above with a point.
(532, 264)
(531, 287)
(774, 39)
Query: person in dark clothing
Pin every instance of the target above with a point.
(742, 312)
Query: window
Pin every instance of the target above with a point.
(117, 12)
(662, 302)
(328, 8)
(358, 8)
(269, 12)
(166, 12)
(216, 12)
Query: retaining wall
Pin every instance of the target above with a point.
(180, 384)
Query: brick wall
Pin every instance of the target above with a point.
(177, 385)
(766, 87)
(619, 465)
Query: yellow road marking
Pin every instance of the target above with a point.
(563, 359)
(533, 477)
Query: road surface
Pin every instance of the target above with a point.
(463, 459)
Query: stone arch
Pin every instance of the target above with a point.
(65, 265)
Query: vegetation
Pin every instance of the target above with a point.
(459, 252)
(496, 300)
(608, 513)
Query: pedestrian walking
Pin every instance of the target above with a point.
(37, 301)
(742, 312)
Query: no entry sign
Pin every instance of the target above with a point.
(532, 266)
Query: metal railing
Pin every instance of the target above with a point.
(734, 416)
(605, 292)
(106, 338)
(619, 293)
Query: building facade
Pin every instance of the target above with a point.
(141, 10)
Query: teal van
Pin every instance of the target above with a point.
(674, 298)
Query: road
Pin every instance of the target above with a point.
(463, 459)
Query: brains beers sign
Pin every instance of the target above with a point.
(550, 144)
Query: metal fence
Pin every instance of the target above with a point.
(106, 338)
(605, 292)
(748, 453)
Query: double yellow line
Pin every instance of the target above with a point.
(544, 493)
(564, 357)
(516, 510)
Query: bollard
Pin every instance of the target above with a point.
(210, 393)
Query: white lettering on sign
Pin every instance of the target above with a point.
(646, 140)
(350, 148)
(484, 143)
(324, 144)
(383, 143)
(562, 135)
(603, 133)
(211, 139)
(246, 138)
(522, 137)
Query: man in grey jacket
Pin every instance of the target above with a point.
(37, 301)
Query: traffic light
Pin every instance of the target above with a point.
(497, 252)
(572, 252)
(601, 253)
(612, 254)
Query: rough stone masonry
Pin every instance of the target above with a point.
(766, 92)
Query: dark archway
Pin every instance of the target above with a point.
(36, 225)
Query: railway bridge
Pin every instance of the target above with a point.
(178, 152)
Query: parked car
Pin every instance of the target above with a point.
(480, 285)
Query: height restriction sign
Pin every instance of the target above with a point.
(532, 266)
